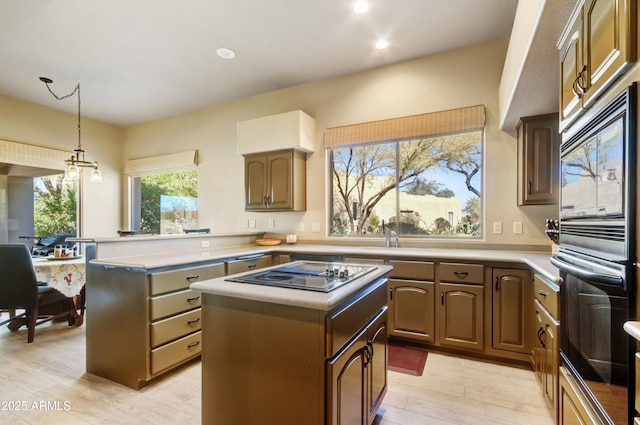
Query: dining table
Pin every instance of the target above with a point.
(65, 275)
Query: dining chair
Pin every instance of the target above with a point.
(20, 290)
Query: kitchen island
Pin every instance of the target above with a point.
(273, 355)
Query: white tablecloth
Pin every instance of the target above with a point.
(65, 276)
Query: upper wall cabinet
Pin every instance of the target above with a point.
(538, 159)
(275, 181)
(290, 130)
(597, 46)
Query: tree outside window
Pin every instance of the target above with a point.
(422, 187)
(168, 202)
(54, 206)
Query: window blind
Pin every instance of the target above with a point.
(162, 164)
(411, 127)
(32, 156)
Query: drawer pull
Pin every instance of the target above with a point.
(461, 274)
(542, 293)
(252, 266)
(196, 298)
(193, 344)
(191, 322)
(195, 276)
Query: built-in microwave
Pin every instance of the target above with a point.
(597, 169)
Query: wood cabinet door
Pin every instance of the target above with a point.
(551, 363)
(572, 82)
(280, 180)
(461, 315)
(537, 352)
(512, 293)
(376, 386)
(255, 183)
(607, 43)
(346, 393)
(538, 159)
(412, 309)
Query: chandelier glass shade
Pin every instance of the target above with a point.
(77, 161)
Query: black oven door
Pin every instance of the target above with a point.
(594, 347)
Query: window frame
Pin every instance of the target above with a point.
(462, 237)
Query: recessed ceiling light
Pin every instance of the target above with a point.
(361, 6)
(382, 44)
(225, 53)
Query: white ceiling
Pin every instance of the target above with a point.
(148, 59)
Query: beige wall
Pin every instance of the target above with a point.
(36, 125)
(464, 77)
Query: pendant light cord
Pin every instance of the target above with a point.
(76, 89)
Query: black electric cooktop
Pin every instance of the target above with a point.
(307, 275)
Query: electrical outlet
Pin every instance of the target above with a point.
(205, 244)
(517, 227)
(272, 223)
(252, 223)
(315, 227)
(497, 227)
(301, 227)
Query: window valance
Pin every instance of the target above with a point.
(32, 156)
(412, 127)
(163, 163)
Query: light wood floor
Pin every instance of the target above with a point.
(47, 380)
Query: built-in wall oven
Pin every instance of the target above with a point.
(597, 256)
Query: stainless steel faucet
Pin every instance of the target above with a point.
(388, 233)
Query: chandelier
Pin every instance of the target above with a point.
(77, 160)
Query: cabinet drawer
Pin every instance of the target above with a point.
(249, 264)
(174, 303)
(348, 319)
(176, 352)
(547, 294)
(357, 260)
(175, 280)
(412, 270)
(174, 327)
(464, 273)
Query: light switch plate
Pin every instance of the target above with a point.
(315, 227)
(205, 244)
(497, 227)
(517, 227)
(301, 227)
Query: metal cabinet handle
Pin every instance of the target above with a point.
(529, 188)
(193, 344)
(391, 293)
(461, 274)
(252, 266)
(576, 88)
(542, 293)
(191, 322)
(195, 276)
(196, 298)
(442, 298)
(541, 333)
(497, 284)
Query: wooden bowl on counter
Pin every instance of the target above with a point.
(268, 242)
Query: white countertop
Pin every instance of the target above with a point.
(633, 329)
(324, 301)
(538, 262)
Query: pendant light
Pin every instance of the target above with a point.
(77, 159)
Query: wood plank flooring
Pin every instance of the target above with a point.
(46, 381)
